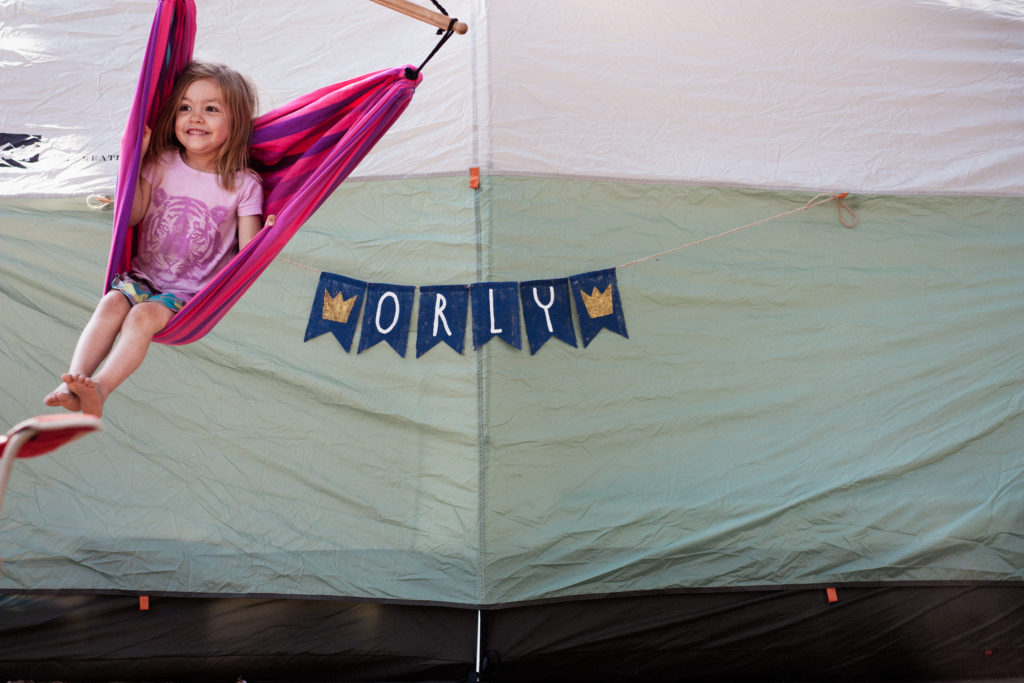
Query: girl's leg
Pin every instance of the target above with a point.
(93, 345)
(142, 322)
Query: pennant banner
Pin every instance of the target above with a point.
(597, 300)
(547, 312)
(386, 316)
(336, 308)
(495, 309)
(495, 313)
(442, 317)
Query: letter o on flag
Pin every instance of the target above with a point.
(380, 305)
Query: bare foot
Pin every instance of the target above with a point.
(62, 397)
(88, 391)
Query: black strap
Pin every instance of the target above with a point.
(443, 11)
(411, 73)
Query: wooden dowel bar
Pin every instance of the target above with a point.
(423, 14)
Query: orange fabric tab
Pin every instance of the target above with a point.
(474, 177)
(143, 602)
(833, 596)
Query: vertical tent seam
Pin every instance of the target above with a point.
(481, 409)
(481, 389)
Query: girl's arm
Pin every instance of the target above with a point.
(143, 193)
(248, 226)
(143, 190)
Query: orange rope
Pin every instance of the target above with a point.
(99, 201)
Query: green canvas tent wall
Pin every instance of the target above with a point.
(796, 453)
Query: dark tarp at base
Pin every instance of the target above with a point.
(894, 632)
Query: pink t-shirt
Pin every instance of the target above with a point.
(190, 230)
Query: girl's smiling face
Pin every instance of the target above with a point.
(201, 124)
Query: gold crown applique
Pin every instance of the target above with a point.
(338, 308)
(599, 304)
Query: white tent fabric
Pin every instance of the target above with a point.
(880, 96)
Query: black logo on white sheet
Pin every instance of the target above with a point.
(17, 150)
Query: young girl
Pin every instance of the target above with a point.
(198, 203)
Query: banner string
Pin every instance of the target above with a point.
(817, 200)
(846, 215)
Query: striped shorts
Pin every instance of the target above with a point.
(138, 290)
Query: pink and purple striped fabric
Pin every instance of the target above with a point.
(169, 49)
(302, 150)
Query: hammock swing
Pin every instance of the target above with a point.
(302, 150)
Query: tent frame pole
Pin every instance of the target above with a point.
(479, 628)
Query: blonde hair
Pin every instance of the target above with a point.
(239, 97)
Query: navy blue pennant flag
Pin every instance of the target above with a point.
(547, 312)
(336, 308)
(442, 317)
(597, 303)
(495, 312)
(386, 316)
